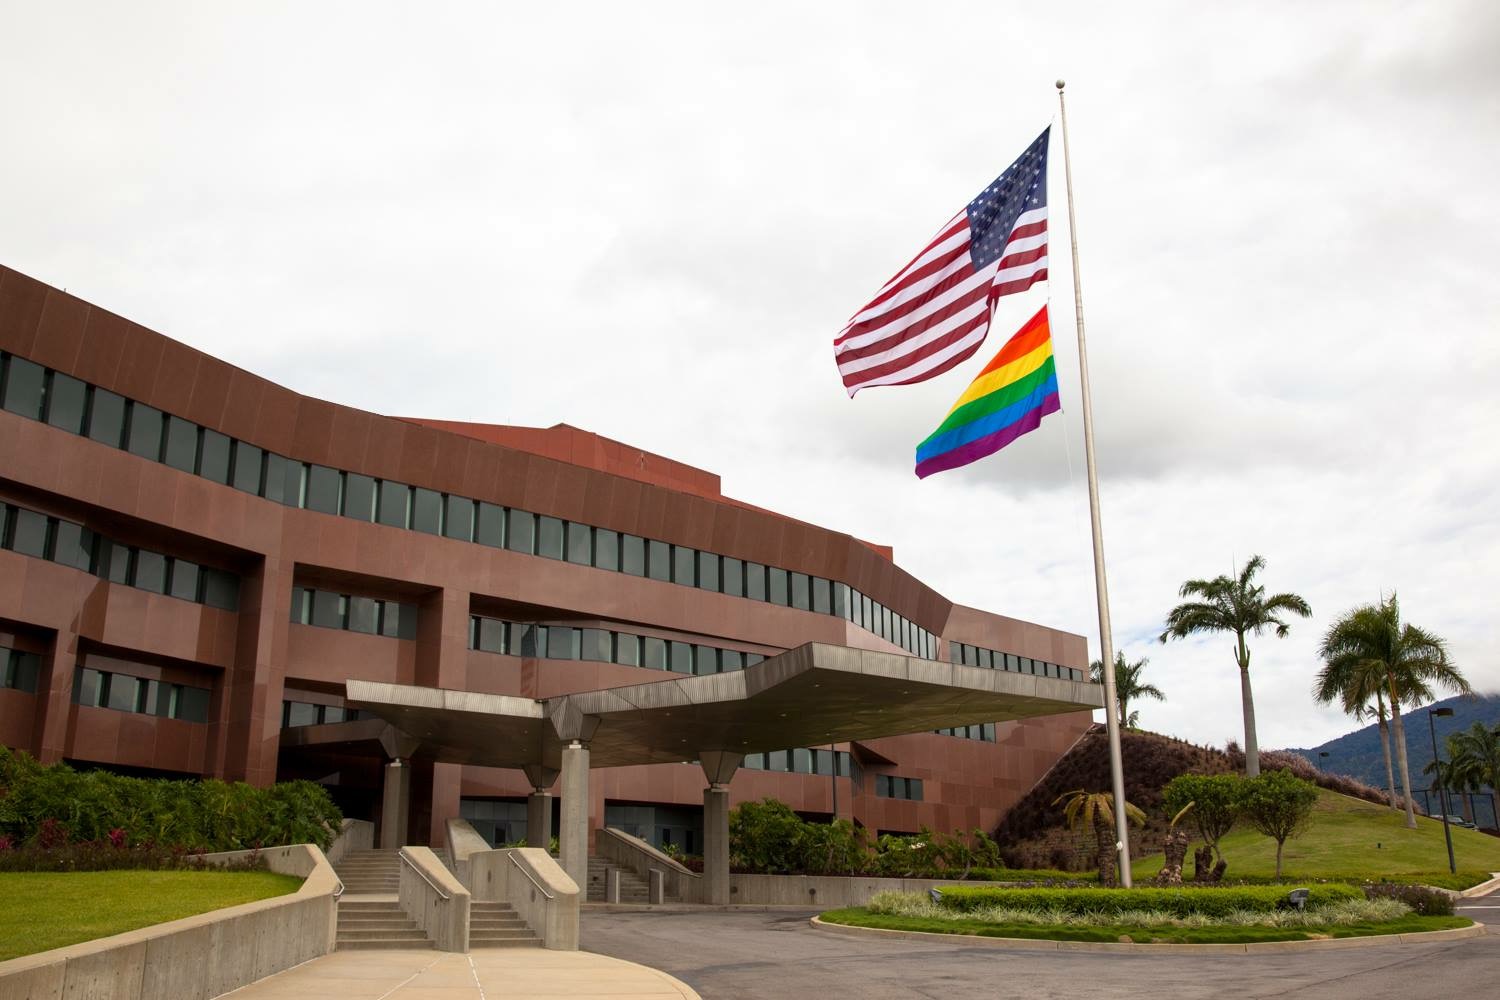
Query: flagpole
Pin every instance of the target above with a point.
(1106, 639)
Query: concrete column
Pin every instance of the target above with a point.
(395, 805)
(719, 767)
(539, 805)
(573, 838)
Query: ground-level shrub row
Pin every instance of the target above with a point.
(1180, 902)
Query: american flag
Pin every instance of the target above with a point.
(936, 311)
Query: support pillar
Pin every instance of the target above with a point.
(573, 838)
(539, 805)
(719, 767)
(395, 805)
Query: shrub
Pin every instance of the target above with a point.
(1278, 804)
(1179, 902)
(1215, 799)
(1423, 901)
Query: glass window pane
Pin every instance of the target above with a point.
(28, 533)
(72, 545)
(778, 760)
(520, 531)
(606, 549)
(779, 592)
(627, 649)
(883, 785)
(144, 435)
(731, 659)
(658, 560)
(150, 571)
(596, 645)
(579, 543)
(517, 641)
(492, 635)
(123, 693)
(213, 456)
(633, 555)
(66, 398)
(113, 562)
(823, 762)
(221, 589)
(708, 571)
(333, 713)
(705, 660)
(654, 653)
(563, 643)
(327, 609)
(489, 529)
(358, 500)
(822, 596)
(914, 789)
(364, 615)
(684, 570)
(426, 511)
(248, 459)
(680, 657)
(106, 417)
(549, 537)
(988, 730)
(733, 577)
(192, 704)
(393, 504)
(184, 584)
(755, 581)
(802, 761)
(182, 444)
(801, 592)
(322, 489)
(751, 659)
(841, 605)
(406, 628)
(301, 605)
(274, 487)
(458, 518)
(25, 387)
(86, 684)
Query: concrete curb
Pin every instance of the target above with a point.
(1482, 888)
(1249, 948)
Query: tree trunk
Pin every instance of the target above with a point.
(1398, 732)
(1175, 849)
(1105, 833)
(1494, 806)
(1468, 807)
(1252, 748)
(1278, 859)
(1385, 749)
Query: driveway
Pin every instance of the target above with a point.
(769, 956)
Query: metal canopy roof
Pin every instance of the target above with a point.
(812, 695)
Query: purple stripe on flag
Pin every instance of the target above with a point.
(990, 443)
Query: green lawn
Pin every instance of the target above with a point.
(860, 917)
(44, 910)
(1351, 838)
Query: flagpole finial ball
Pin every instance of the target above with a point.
(1061, 84)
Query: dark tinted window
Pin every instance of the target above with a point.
(801, 591)
(520, 531)
(633, 555)
(248, 459)
(654, 653)
(327, 609)
(606, 549)
(192, 704)
(28, 533)
(407, 627)
(755, 581)
(113, 562)
(734, 577)
(182, 445)
(221, 589)
(213, 456)
(184, 580)
(144, 436)
(24, 387)
(683, 565)
(731, 659)
(123, 693)
(426, 511)
(24, 668)
(596, 645)
(491, 635)
(364, 615)
(580, 543)
(86, 687)
(359, 496)
(549, 537)
(106, 417)
(277, 473)
(322, 489)
(680, 657)
(708, 571)
(66, 399)
(458, 518)
(822, 596)
(563, 643)
(395, 498)
(658, 560)
(841, 606)
(705, 660)
(778, 589)
(489, 529)
(628, 649)
(72, 545)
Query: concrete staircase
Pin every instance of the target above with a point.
(496, 925)
(370, 872)
(377, 923)
(633, 888)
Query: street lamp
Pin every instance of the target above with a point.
(1437, 771)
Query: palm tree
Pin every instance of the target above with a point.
(1128, 685)
(1372, 638)
(1477, 751)
(1450, 777)
(1356, 689)
(1096, 811)
(1235, 605)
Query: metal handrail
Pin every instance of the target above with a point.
(340, 891)
(540, 888)
(413, 866)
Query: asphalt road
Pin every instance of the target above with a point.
(768, 956)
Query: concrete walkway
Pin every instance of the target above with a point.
(512, 973)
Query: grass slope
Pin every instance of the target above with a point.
(1341, 842)
(45, 910)
(860, 917)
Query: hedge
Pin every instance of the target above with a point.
(1214, 902)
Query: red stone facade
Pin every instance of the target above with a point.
(62, 615)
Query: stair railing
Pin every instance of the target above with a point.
(520, 868)
(413, 866)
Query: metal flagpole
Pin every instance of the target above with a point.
(1106, 640)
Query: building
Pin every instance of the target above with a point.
(197, 561)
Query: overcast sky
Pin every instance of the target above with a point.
(650, 220)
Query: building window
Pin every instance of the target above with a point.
(427, 511)
(67, 399)
(24, 387)
(19, 669)
(489, 527)
(181, 451)
(607, 549)
(458, 518)
(107, 417)
(247, 467)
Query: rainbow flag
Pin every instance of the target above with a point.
(1010, 397)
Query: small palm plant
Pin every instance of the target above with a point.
(1096, 810)
(1128, 686)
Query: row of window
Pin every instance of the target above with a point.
(124, 693)
(40, 393)
(993, 659)
(802, 761)
(564, 642)
(353, 613)
(19, 669)
(889, 786)
(35, 534)
(304, 713)
(978, 731)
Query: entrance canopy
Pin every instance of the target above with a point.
(812, 695)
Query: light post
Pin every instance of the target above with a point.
(1437, 770)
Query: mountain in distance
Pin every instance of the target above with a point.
(1357, 754)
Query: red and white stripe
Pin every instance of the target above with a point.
(936, 311)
